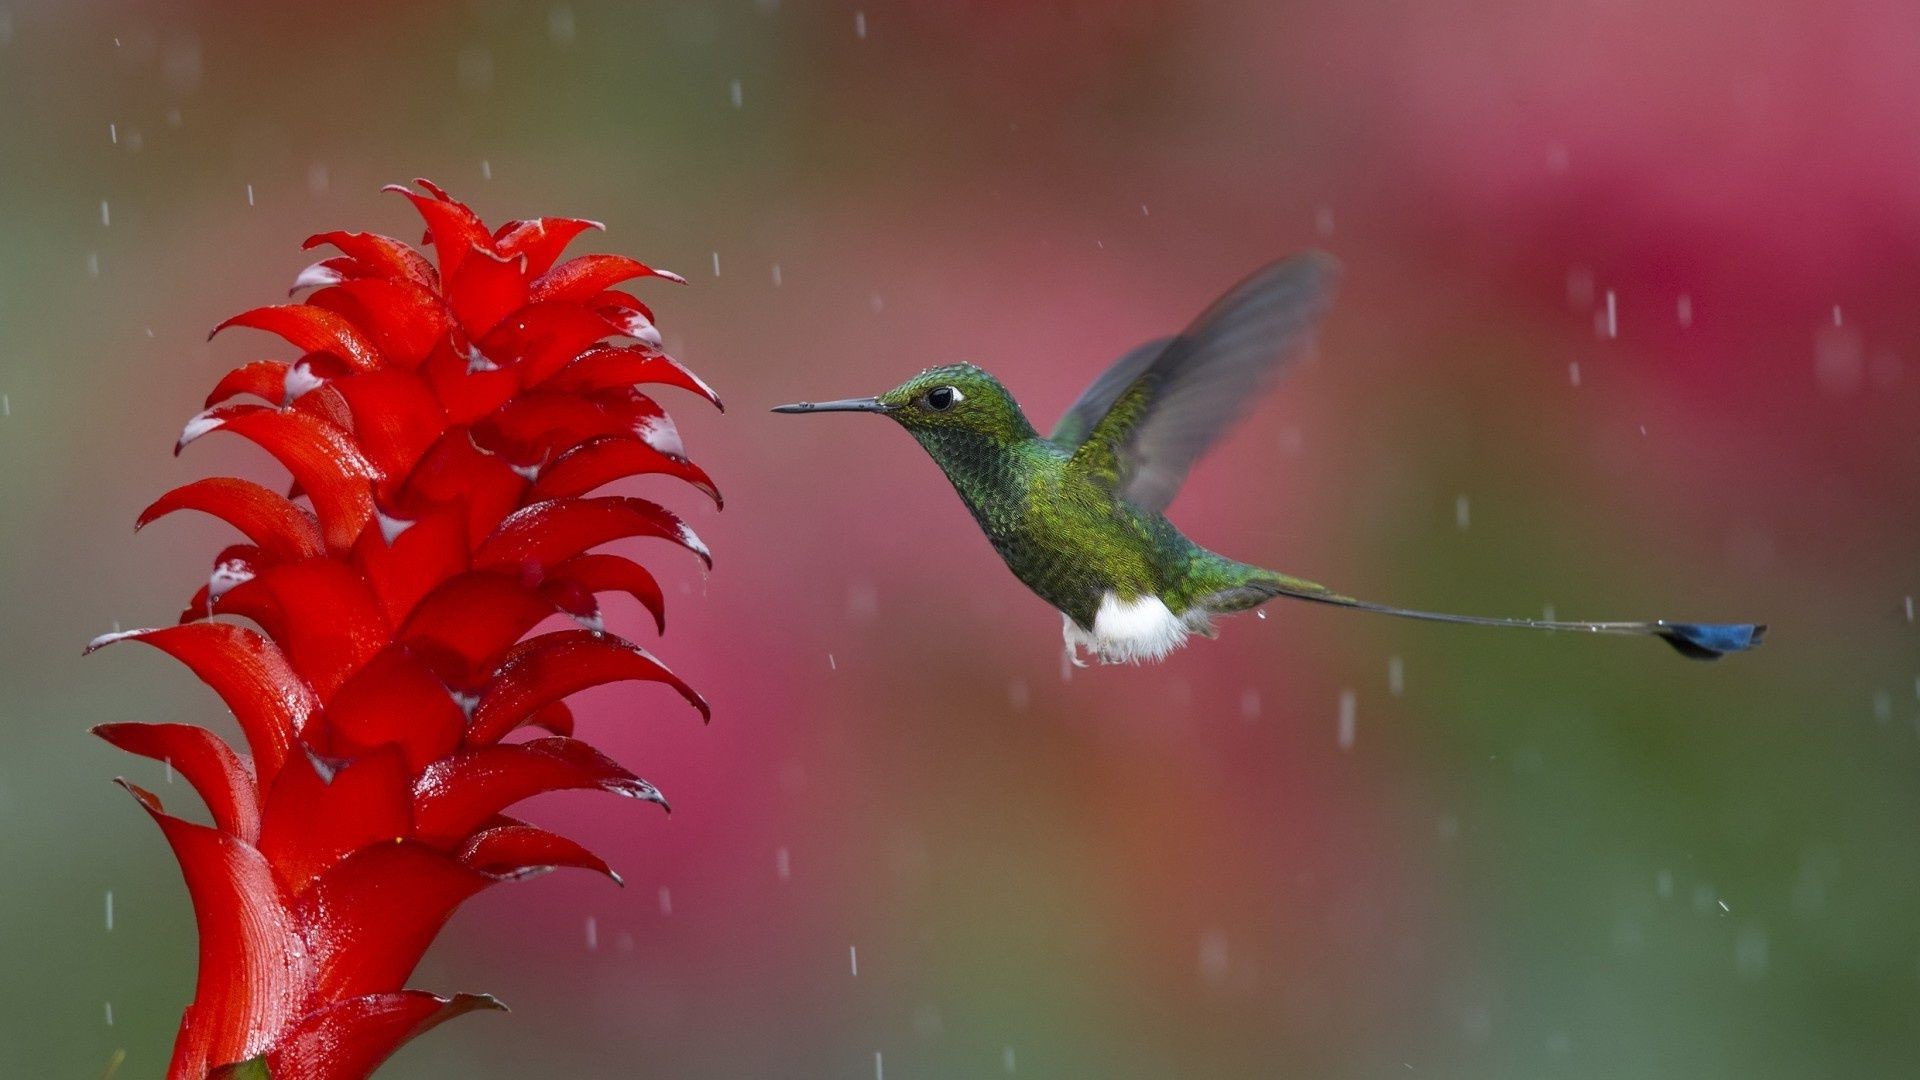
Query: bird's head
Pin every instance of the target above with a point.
(944, 405)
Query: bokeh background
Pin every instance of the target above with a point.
(1539, 856)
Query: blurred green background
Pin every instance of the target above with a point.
(1541, 856)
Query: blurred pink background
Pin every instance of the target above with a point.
(1541, 856)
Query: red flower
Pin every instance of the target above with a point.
(446, 426)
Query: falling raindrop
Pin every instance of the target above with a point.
(1684, 310)
(317, 179)
(1348, 703)
(113, 134)
(486, 169)
(109, 911)
(1006, 1058)
(1462, 515)
(776, 275)
(716, 264)
(1019, 697)
(879, 1069)
(1396, 676)
(875, 302)
(249, 194)
(666, 900)
(109, 1014)
(853, 960)
(831, 666)
(1573, 373)
(1323, 221)
(733, 93)
(1909, 609)
(783, 864)
(106, 216)
(860, 25)
(1613, 315)
(593, 933)
(1250, 704)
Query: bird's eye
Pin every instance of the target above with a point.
(942, 398)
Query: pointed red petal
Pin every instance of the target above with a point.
(408, 557)
(540, 339)
(264, 379)
(517, 849)
(313, 329)
(456, 472)
(581, 279)
(606, 367)
(468, 383)
(488, 288)
(602, 460)
(541, 240)
(323, 459)
(251, 675)
(555, 718)
(223, 781)
(395, 418)
(383, 255)
(453, 229)
(403, 318)
(552, 666)
(310, 822)
(349, 1039)
(601, 573)
(633, 318)
(281, 529)
(547, 532)
(539, 425)
(369, 917)
(477, 616)
(321, 614)
(457, 795)
(251, 983)
(395, 699)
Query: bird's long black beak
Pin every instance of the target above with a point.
(857, 404)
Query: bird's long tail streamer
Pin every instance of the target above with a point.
(1700, 641)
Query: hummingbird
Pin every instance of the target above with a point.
(1079, 515)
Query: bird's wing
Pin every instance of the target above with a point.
(1095, 400)
(1163, 405)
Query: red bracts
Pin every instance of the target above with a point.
(445, 428)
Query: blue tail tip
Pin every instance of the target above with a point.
(1711, 641)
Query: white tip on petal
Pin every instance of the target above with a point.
(391, 527)
(688, 537)
(659, 433)
(105, 640)
(317, 276)
(226, 576)
(300, 380)
(670, 276)
(478, 361)
(635, 325)
(198, 426)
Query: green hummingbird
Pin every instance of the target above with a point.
(1079, 515)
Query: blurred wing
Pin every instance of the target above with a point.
(1095, 400)
(1161, 416)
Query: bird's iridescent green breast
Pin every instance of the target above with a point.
(1059, 530)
